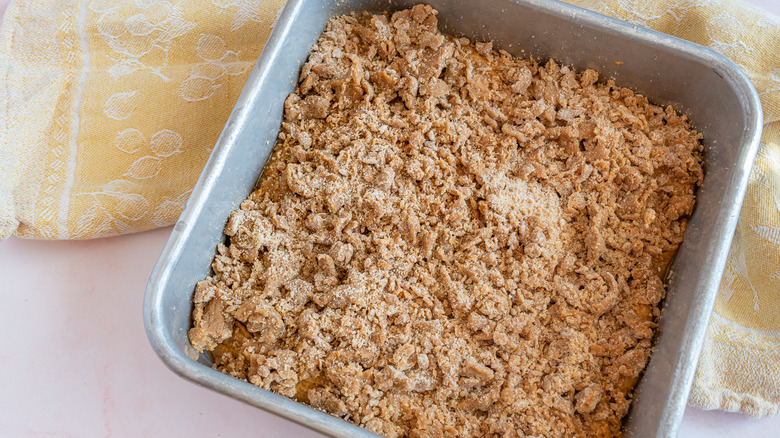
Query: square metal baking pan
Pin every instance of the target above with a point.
(715, 94)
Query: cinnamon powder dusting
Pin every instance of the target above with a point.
(451, 241)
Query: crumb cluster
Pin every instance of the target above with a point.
(452, 241)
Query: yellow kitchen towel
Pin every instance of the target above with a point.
(110, 109)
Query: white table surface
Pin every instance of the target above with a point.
(75, 361)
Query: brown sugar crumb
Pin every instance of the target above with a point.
(450, 241)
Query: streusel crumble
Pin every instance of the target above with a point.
(452, 241)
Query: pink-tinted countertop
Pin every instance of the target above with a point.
(75, 361)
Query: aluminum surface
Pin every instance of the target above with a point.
(715, 94)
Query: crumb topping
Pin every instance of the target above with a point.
(449, 240)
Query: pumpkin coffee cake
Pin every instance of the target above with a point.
(452, 241)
